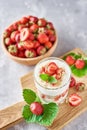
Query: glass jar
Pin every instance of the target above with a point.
(46, 91)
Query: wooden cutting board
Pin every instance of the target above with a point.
(12, 115)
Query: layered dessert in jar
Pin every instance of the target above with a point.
(52, 79)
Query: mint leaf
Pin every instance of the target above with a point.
(52, 79)
(29, 96)
(44, 77)
(50, 112)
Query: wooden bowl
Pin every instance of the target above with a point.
(31, 61)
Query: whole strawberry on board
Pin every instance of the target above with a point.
(37, 112)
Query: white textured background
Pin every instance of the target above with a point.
(70, 20)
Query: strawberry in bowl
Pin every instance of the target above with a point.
(52, 79)
(30, 35)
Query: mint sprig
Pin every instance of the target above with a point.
(48, 78)
(49, 113)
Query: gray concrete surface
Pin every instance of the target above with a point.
(69, 18)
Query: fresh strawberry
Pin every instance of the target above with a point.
(21, 54)
(48, 45)
(72, 82)
(49, 25)
(34, 28)
(8, 41)
(43, 38)
(52, 38)
(49, 32)
(80, 86)
(42, 22)
(36, 108)
(41, 50)
(15, 26)
(20, 46)
(70, 60)
(33, 19)
(51, 68)
(24, 20)
(6, 33)
(21, 26)
(36, 44)
(75, 99)
(24, 34)
(17, 37)
(80, 64)
(31, 36)
(13, 35)
(30, 53)
(12, 49)
(28, 44)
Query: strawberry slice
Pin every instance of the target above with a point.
(24, 34)
(75, 99)
(51, 69)
(80, 64)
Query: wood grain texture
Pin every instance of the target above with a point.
(67, 113)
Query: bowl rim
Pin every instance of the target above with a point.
(34, 58)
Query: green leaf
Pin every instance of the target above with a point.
(52, 79)
(50, 113)
(44, 77)
(26, 113)
(79, 72)
(29, 96)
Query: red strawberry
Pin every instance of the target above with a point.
(36, 44)
(42, 22)
(20, 46)
(80, 86)
(17, 37)
(13, 35)
(6, 33)
(50, 25)
(12, 49)
(36, 108)
(24, 20)
(72, 82)
(31, 36)
(21, 26)
(33, 28)
(28, 44)
(21, 54)
(49, 32)
(70, 60)
(51, 69)
(30, 53)
(48, 45)
(80, 64)
(33, 19)
(52, 38)
(43, 38)
(75, 99)
(24, 34)
(41, 50)
(8, 41)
